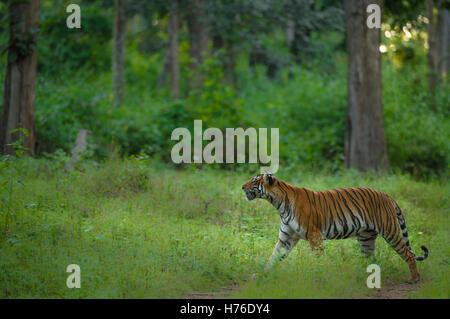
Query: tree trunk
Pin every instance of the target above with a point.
(300, 43)
(229, 63)
(166, 64)
(432, 52)
(365, 145)
(198, 40)
(289, 32)
(217, 42)
(228, 58)
(81, 144)
(173, 48)
(20, 81)
(443, 42)
(119, 51)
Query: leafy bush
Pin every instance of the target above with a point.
(64, 50)
(308, 108)
(65, 106)
(417, 124)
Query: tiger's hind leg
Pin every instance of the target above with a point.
(399, 245)
(316, 243)
(367, 240)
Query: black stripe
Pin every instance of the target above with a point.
(336, 205)
(372, 210)
(284, 232)
(357, 208)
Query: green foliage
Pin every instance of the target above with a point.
(215, 103)
(64, 50)
(18, 145)
(64, 109)
(398, 13)
(9, 164)
(308, 107)
(309, 110)
(417, 124)
(23, 44)
(306, 102)
(140, 230)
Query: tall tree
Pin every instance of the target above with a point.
(166, 64)
(20, 81)
(300, 32)
(119, 51)
(300, 18)
(365, 145)
(443, 40)
(432, 52)
(198, 39)
(174, 21)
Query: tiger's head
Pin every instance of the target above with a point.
(258, 186)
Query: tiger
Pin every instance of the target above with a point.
(339, 213)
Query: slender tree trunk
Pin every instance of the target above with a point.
(365, 145)
(20, 81)
(217, 42)
(166, 64)
(289, 33)
(301, 42)
(198, 40)
(228, 59)
(174, 64)
(443, 42)
(119, 51)
(229, 64)
(432, 52)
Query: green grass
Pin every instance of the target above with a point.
(140, 230)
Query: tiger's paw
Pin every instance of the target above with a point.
(414, 280)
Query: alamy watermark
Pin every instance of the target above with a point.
(74, 279)
(235, 140)
(374, 279)
(74, 19)
(374, 19)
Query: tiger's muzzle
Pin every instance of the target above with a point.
(250, 195)
(251, 192)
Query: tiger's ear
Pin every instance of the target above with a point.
(269, 179)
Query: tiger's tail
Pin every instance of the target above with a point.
(402, 223)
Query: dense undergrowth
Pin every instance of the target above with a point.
(309, 108)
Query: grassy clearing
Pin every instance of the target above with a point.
(140, 230)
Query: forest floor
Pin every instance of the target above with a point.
(390, 291)
(142, 230)
(396, 291)
(220, 293)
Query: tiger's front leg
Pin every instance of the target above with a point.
(285, 243)
(287, 239)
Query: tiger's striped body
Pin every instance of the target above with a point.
(358, 212)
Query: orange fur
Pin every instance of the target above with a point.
(334, 214)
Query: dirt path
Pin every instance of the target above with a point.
(220, 293)
(391, 291)
(397, 291)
